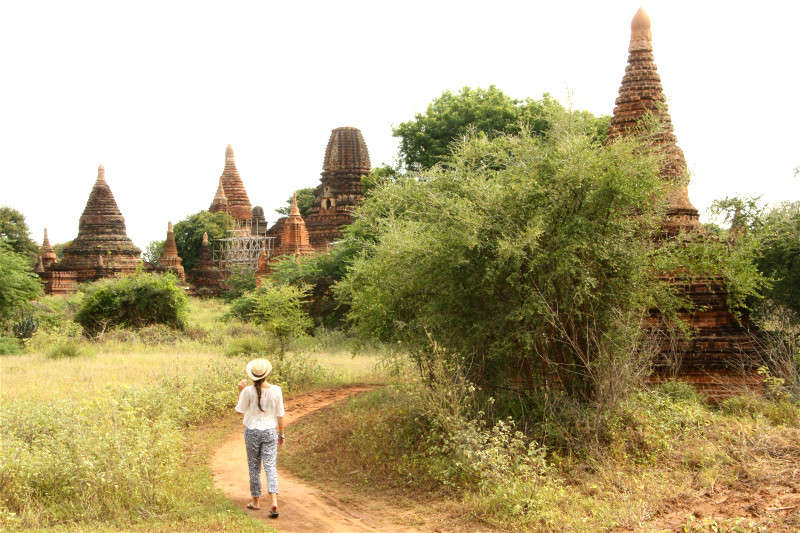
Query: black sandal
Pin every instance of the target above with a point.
(273, 512)
(253, 507)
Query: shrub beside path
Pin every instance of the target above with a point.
(303, 508)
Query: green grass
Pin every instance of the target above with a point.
(115, 435)
(655, 449)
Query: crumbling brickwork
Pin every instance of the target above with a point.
(102, 247)
(720, 356)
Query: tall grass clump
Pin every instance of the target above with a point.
(114, 454)
(134, 301)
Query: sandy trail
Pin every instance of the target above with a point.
(303, 508)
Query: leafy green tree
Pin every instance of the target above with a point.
(152, 254)
(18, 283)
(58, 248)
(305, 200)
(14, 232)
(426, 140)
(278, 308)
(319, 273)
(189, 234)
(528, 259)
(134, 301)
(775, 237)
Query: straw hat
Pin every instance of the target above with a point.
(258, 369)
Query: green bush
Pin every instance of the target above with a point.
(250, 345)
(134, 301)
(9, 346)
(277, 308)
(68, 348)
(239, 283)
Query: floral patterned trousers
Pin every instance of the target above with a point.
(262, 446)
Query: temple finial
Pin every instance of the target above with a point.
(169, 227)
(294, 210)
(229, 155)
(205, 238)
(45, 241)
(101, 173)
(641, 36)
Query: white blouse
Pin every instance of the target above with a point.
(271, 403)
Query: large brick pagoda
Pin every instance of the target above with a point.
(346, 160)
(719, 358)
(170, 261)
(102, 247)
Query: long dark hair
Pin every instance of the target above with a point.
(257, 384)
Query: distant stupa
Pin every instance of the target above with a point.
(101, 232)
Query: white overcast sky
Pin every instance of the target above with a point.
(155, 90)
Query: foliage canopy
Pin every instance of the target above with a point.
(426, 140)
(528, 258)
(14, 232)
(189, 234)
(135, 301)
(18, 283)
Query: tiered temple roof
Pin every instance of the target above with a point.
(101, 232)
(238, 204)
(720, 357)
(346, 160)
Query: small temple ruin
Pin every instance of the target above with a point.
(719, 358)
(205, 277)
(59, 282)
(170, 261)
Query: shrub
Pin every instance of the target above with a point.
(67, 348)
(25, 327)
(239, 283)
(276, 308)
(134, 301)
(9, 346)
(18, 283)
(250, 345)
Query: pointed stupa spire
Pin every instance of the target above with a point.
(220, 202)
(46, 247)
(294, 211)
(238, 203)
(101, 173)
(47, 255)
(39, 266)
(170, 248)
(641, 36)
(170, 260)
(205, 238)
(641, 95)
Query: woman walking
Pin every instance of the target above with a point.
(262, 407)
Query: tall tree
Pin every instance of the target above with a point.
(18, 283)
(14, 232)
(426, 140)
(529, 258)
(189, 234)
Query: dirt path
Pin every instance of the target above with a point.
(303, 508)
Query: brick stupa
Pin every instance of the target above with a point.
(60, 282)
(205, 277)
(101, 232)
(170, 260)
(346, 160)
(294, 238)
(236, 203)
(720, 357)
